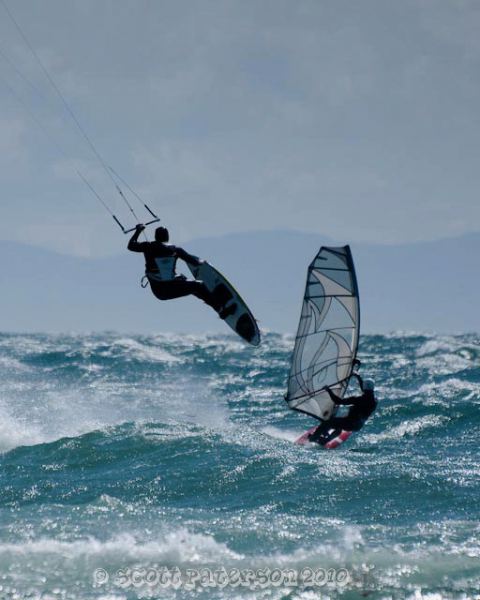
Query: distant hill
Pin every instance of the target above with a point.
(423, 286)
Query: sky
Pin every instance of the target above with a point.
(355, 120)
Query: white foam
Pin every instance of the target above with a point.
(407, 428)
(140, 351)
(390, 567)
(71, 413)
(281, 434)
(450, 389)
(179, 547)
(17, 432)
(436, 345)
(12, 364)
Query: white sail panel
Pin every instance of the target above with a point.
(327, 336)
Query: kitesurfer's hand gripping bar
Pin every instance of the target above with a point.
(154, 220)
(147, 223)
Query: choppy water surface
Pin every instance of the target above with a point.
(129, 460)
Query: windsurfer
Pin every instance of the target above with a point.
(362, 407)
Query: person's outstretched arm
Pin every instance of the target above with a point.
(189, 258)
(134, 245)
(333, 396)
(352, 401)
(359, 379)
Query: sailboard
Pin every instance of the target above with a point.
(330, 440)
(241, 320)
(327, 337)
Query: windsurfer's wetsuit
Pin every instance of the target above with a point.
(160, 263)
(362, 408)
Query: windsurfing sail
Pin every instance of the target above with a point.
(327, 337)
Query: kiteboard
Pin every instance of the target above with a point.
(241, 320)
(330, 440)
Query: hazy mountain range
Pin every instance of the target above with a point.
(422, 286)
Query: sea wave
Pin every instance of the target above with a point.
(177, 450)
(374, 570)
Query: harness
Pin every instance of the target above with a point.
(165, 269)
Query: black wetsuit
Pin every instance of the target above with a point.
(170, 286)
(361, 409)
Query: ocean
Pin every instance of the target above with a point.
(163, 466)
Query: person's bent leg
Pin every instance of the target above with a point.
(179, 288)
(333, 423)
(201, 291)
(169, 290)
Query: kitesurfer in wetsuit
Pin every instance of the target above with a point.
(160, 263)
(361, 409)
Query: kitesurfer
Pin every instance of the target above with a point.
(160, 263)
(362, 407)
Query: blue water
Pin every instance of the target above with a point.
(175, 452)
